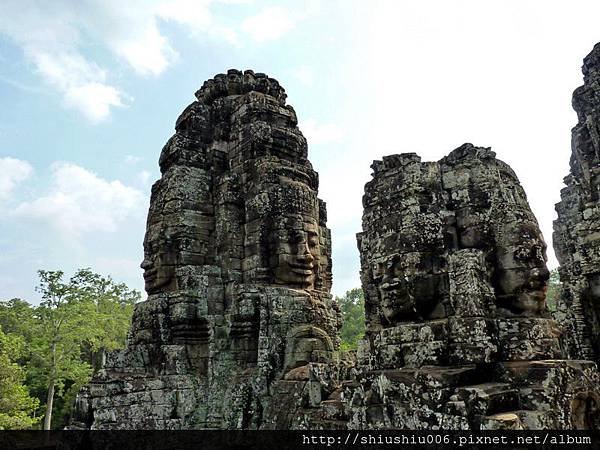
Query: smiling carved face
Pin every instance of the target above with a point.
(408, 288)
(167, 247)
(522, 275)
(296, 252)
(160, 259)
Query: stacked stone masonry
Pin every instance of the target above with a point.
(239, 330)
(237, 268)
(577, 229)
(453, 266)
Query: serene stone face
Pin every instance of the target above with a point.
(417, 214)
(408, 290)
(160, 259)
(168, 246)
(396, 301)
(296, 252)
(521, 274)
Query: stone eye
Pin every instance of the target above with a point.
(296, 237)
(378, 270)
(394, 268)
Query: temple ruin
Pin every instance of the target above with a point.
(237, 267)
(458, 332)
(576, 231)
(240, 331)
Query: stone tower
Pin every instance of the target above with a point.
(237, 267)
(577, 229)
(453, 266)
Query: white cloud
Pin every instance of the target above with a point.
(81, 82)
(132, 159)
(50, 39)
(197, 18)
(131, 29)
(79, 201)
(306, 75)
(93, 99)
(269, 24)
(56, 35)
(321, 133)
(143, 177)
(148, 55)
(13, 172)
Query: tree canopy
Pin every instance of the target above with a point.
(17, 406)
(51, 350)
(352, 305)
(554, 286)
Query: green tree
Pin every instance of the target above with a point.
(17, 407)
(16, 317)
(554, 288)
(78, 321)
(109, 306)
(352, 305)
(66, 335)
(62, 326)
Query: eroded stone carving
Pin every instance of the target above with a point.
(458, 336)
(418, 214)
(240, 331)
(237, 266)
(576, 229)
(453, 266)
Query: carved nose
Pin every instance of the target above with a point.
(306, 254)
(146, 264)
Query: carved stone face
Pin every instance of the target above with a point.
(396, 301)
(159, 264)
(521, 273)
(408, 289)
(296, 253)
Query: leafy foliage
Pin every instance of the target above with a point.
(352, 305)
(17, 407)
(65, 336)
(111, 307)
(554, 287)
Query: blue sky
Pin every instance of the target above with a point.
(90, 91)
